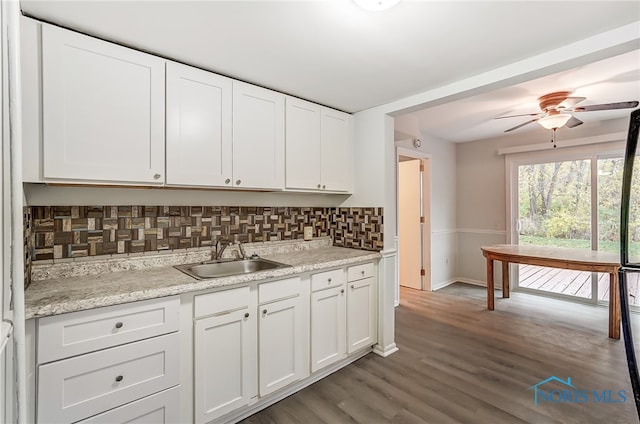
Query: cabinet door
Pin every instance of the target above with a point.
(281, 344)
(328, 327)
(361, 314)
(198, 127)
(303, 145)
(258, 137)
(336, 155)
(102, 110)
(225, 374)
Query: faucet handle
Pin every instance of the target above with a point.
(243, 254)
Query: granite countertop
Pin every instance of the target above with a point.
(53, 296)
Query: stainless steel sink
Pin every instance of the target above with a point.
(227, 268)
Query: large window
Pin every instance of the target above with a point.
(573, 202)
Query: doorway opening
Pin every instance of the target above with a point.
(413, 223)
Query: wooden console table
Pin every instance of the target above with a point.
(555, 257)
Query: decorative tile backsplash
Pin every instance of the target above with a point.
(75, 231)
(28, 244)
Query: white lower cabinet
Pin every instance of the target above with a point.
(281, 348)
(109, 370)
(343, 316)
(327, 327)
(224, 364)
(361, 315)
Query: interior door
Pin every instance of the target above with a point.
(409, 226)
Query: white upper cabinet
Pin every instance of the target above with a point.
(303, 144)
(318, 153)
(199, 143)
(336, 155)
(258, 137)
(102, 111)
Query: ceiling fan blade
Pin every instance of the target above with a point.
(515, 116)
(569, 102)
(573, 122)
(607, 106)
(521, 125)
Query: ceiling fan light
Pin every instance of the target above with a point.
(376, 5)
(554, 121)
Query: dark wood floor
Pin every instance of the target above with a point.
(459, 363)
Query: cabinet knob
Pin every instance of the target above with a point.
(318, 185)
(119, 324)
(238, 182)
(227, 181)
(119, 378)
(329, 279)
(324, 186)
(246, 315)
(157, 176)
(264, 311)
(342, 291)
(362, 272)
(353, 286)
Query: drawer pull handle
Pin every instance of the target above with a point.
(264, 311)
(342, 291)
(119, 324)
(119, 378)
(246, 315)
(329, 279)
(353, 286)
(362, 272)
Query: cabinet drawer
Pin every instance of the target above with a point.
(221, 302)
(66, 335)
(281, 289)
(76, 388)
(327, 279)
(161, 408)
(357, 272)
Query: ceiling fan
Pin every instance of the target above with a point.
(557, 108)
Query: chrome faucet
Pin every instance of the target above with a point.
(243, 254)
(221, 245)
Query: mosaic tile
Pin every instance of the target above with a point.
(76, 231)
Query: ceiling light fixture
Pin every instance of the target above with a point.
(554, 120)
(376, 5)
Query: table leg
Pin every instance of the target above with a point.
(490, 284)
(614, 306)
(505, 279)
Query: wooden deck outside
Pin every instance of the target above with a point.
(574, 283)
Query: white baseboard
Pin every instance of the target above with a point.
(385, 351)
(443, 284)
(471, 281)
(466, 281)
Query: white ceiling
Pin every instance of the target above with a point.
(333, 53)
